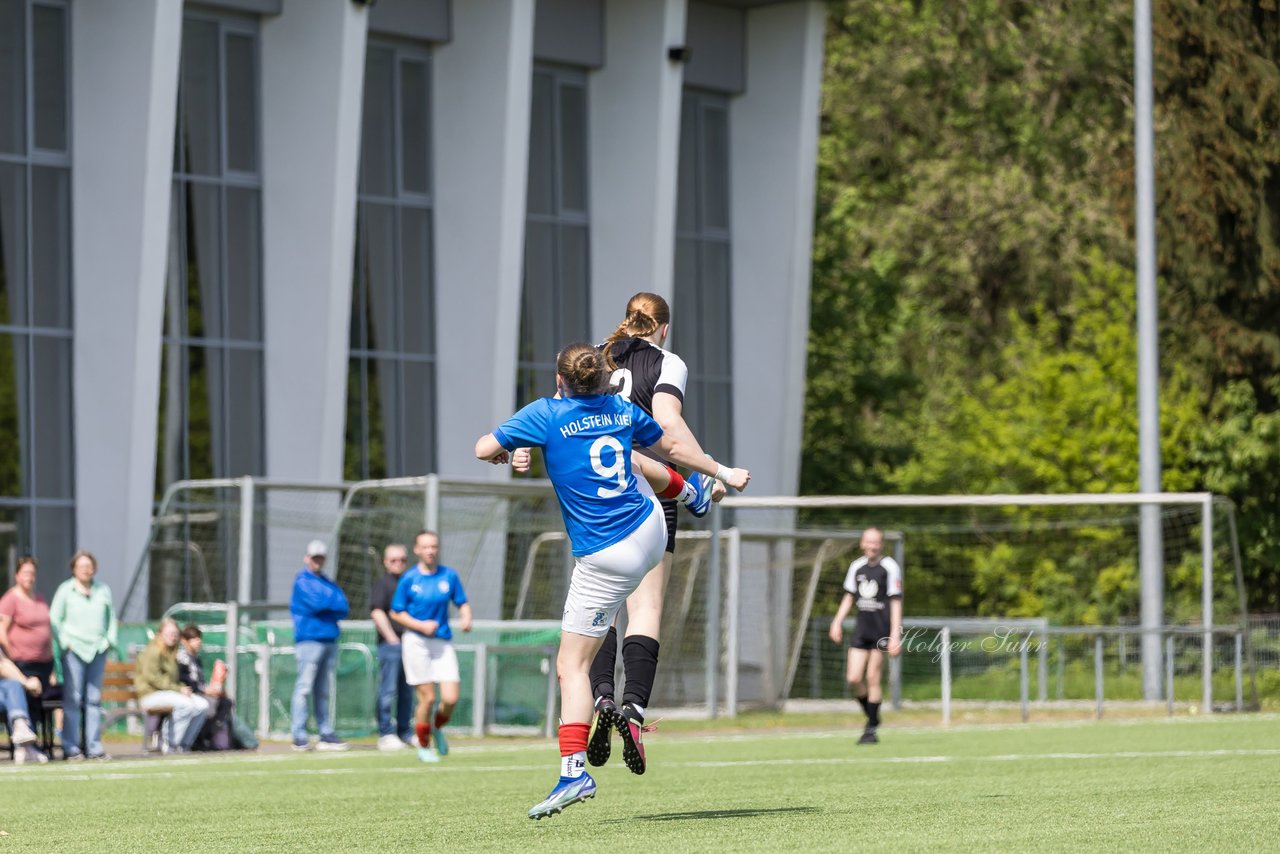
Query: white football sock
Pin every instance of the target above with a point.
(574, 764)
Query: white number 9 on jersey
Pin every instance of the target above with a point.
(617, 470)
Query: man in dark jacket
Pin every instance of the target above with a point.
(316, 605)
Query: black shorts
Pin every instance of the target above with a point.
(866, 642)
(669, 510)
(868, 634)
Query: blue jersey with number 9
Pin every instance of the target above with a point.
(586, 442)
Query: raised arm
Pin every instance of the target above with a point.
(672, 448)
(668, 411)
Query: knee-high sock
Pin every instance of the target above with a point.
(573, 749)
(640, 663)
(873, 714)
(603, 664)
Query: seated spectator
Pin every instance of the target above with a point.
(13, 701)
(216, 734)
(156, 680)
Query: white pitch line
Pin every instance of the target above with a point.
(33, 774)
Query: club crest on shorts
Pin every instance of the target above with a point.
(599, 619)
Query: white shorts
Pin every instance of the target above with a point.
(603, 580)
(427, 660)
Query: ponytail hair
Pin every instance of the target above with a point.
(646, 313)
(583, 369)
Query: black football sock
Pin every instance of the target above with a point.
(640, 664)
(862, 701)
(603, 664)
(873, 715)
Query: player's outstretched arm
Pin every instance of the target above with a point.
(671, 448)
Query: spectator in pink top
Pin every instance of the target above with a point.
(25, 634)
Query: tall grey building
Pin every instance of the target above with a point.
(319, 240)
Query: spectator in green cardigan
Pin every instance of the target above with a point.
(84, 627)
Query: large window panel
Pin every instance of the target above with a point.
(574, 279)
(378, 136)
(241, 103)
(204, 370)
(418, 331)
(37, 490)
(13, 244)
(51, 410)
(687, 171)
(538, 316)
(13, 77)
(415, 139)
(380, 285)
(244, 420)
(244, 264)
(199, 102)
(211, 402)
(703, 274)
(202, 284)
(51, 247)
(390, 389)
(555, 301)
(573, 147)
(541, 194)
(53, 536)
(715, 167)
(49, 68)
(716, 301)
(13, 404)
(418, 417)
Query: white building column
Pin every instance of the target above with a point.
(773, 158)
(481, 89)
(312, 87)
(773, 161)
(124, 82)
(634, 116)
(480, 95)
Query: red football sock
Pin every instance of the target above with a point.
(424, 734)
(674, 487)
(573, 738)
(441, 719)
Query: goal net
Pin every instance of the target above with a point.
(1058, 575)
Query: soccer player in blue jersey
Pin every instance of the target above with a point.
(615, 525)
(421, 604)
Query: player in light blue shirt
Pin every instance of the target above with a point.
(615, 525)
(421, 604)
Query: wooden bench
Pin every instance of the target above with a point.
(117, 687)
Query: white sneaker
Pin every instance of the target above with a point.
(29, 753)
(391, 741)
(22, 732)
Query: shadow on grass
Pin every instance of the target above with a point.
(713, 814)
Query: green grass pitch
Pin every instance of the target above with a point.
(1182, 784)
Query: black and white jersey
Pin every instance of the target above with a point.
(872, 588)
(644, 370)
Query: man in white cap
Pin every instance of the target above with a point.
(316, 605)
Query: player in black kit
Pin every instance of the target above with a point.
(874, 584)
(653, 379)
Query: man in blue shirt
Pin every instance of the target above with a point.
(316, 605)
(421, 605)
